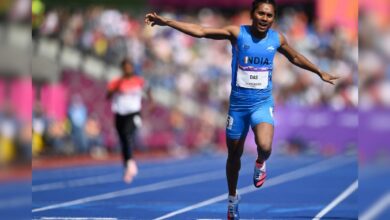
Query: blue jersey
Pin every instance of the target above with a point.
(252, 65)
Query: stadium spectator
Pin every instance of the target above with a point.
(40, 124)
(78, 115)
(94, 137)
(9, 131)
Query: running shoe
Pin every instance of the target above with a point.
(259, 174)
(232, 213)
(130, 172)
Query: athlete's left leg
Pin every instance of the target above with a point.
(262, 123)
(264, 133)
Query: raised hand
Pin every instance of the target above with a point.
(328, 78)
(154, 19)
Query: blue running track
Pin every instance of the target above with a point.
(297, 187)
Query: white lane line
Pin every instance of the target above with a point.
(77, 172)
(117, 177)
(188, 180)
(377, 208)
(154, 168)
(95, 180)
(286, 177)
(347, 192)
(82, 171)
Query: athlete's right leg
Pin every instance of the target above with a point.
(233, 163)
(236, 130)
(126, 129)
(121, 128)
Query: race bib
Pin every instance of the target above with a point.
(252, 79)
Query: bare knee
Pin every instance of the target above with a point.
(263, 136)
(264, 150)
(234, 155)
(235, 151)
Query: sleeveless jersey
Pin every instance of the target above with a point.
(252, 65)
(128, 96)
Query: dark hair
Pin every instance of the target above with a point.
(256, 3)
(125, 61)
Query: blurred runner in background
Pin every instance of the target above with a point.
(125, 94)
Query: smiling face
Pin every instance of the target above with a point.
(262, 18)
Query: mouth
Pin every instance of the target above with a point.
(262, 25)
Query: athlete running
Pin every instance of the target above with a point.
(251, 102)
(126, 96)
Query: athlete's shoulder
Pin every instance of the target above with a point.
(274, 32)
(243, 30)
(113, 83)
(138, 77)
(245, 27)
(114, 80)
(233, 30)
(278, 35)
(139, 80)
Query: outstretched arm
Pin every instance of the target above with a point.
(299, 60)
(226, 33)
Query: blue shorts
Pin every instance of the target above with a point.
(238, 122)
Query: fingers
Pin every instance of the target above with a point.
(149, 18)
(330, 81)
(330, 78)
(335, 77)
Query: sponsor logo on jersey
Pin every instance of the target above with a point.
(270, 48)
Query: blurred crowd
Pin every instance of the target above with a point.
(374, 57)
(374, 81)
(198, 69)
(374, 105)
(80, 133)
(15, 87)
(15, 138)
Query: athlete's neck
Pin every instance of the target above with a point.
(257, 34)
(127, 76)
